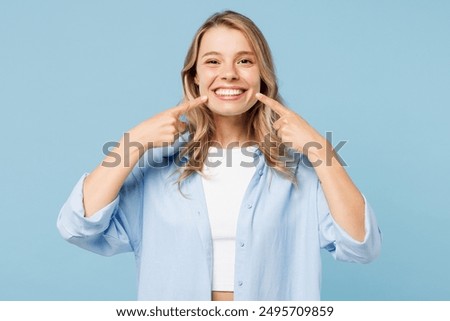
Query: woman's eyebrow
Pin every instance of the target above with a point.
(211, 53)
(244, 53)
(240, 53)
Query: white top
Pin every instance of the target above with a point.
(227, 173)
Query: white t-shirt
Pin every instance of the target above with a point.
(227, 173)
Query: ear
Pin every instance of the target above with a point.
(196, 80)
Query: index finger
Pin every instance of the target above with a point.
(272, 103)
(187, 105)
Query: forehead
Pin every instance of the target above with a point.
(224, 40)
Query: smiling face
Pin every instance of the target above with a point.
(227, 71)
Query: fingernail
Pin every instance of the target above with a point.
(258, 95)
(203, 98)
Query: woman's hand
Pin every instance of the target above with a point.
(293, 129)
(344, 199)
(164, 127)
(103, 184)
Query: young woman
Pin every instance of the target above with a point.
(230, 195)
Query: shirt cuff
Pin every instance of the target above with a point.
(351, 250)
(71, 220)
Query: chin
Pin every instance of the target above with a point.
(231, 108)
(227, 110)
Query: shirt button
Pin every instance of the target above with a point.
(249, 206)
(240, 283)
(261, 172)
(241, 244)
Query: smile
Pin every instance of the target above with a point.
(228, 92)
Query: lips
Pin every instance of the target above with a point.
(229, 92)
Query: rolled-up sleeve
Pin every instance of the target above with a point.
(107, 232)
(339, 243)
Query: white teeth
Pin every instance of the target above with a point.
(228, 92)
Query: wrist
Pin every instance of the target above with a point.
(325, 155)
(317, 149)
(129, 150)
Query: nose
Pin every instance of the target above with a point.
(229, 72)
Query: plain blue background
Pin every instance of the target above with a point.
(76, 74)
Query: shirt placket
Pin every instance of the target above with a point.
(242, 288)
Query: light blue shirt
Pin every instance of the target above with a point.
(280, 231)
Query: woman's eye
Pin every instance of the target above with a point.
(213, 62)
(245, 61)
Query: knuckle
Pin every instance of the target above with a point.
(172, 129)
(169, 138)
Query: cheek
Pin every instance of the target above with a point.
(205, 79)
(253, 80)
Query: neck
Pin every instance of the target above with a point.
(231, 130)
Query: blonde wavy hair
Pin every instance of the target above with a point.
(260, 117)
